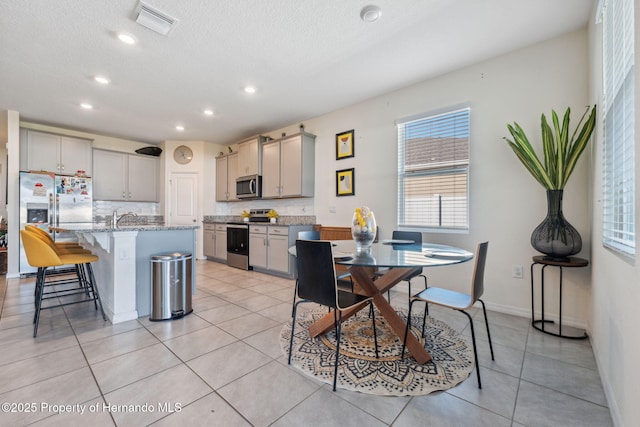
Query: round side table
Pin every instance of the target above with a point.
(539, 324)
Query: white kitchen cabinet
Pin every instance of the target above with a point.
(215, 241)
(258, 246)
(250, 156)
(60, 154)
(124, 177)
(209, 240)
(269, 248)
(288, 166)
(278, 249)
(221, 242)
(143, 178)
(226, 174)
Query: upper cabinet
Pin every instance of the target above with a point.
(63, 155)
(250, 156)
(288, 166)
(226, 174)
(124, 176)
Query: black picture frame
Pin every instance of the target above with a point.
(345, 182)
(344, 144)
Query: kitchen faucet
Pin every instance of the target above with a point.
(115, 220)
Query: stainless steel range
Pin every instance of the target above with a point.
(238, 239)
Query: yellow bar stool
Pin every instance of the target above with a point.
(60, 246)
(66, 248)
(42, 256)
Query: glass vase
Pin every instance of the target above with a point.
(363, 231)
(555, 237)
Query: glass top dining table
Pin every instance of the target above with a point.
(403, 260)
(389, 255)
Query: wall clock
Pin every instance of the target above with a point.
(182, 154)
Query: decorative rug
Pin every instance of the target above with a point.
(358, 368)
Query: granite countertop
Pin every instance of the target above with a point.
(284, 220)
(133, 227)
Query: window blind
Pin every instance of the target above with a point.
(433, 169)
(619, 155)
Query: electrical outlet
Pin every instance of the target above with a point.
(516, 271)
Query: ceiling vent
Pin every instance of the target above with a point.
(154, 20)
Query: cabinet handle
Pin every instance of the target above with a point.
(62, 166)
(129, 194)
(123, 195)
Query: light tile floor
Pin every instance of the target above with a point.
(222, 365)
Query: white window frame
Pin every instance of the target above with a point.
(618, 219)
(457, 168)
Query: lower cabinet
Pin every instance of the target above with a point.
(269, 248)
(215, 241)
(258, 246)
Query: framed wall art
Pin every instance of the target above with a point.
(344, 144)
(345, 182)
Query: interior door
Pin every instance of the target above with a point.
(184, 203)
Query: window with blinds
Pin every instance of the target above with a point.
(619, 156)
(433, 171)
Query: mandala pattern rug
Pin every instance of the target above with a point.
(391, 375)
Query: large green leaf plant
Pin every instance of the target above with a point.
(560, 152)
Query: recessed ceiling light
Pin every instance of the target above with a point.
(102, 80)
(250, 89)
(208, 112)
(86, 106)
(370, 13)
(126, 38)
(180, 128)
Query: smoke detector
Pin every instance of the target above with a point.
(370, 13)
(154, 19)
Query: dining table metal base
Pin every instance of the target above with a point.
(376, 289)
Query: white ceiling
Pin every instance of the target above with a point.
(305, 58)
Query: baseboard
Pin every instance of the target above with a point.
(608, 390)
(525, 312)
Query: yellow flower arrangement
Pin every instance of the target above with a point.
(363, 228)
(360, 218)
(245, 214)
(272, 214)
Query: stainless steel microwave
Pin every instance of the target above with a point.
(249, 187)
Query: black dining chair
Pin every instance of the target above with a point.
(317, 283)
(458, 301)
(309, 235)
(345, 281)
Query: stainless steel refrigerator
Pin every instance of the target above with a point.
(48, 200)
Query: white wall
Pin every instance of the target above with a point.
(506, 203)
(615, 280)
(13, 190)
(4, 130)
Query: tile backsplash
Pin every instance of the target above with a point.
(147, 213)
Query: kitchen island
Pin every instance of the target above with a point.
(123, 272)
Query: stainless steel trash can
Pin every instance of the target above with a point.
(170, 286)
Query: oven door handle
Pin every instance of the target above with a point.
(246, 227)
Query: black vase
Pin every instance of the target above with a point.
(555, 237)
